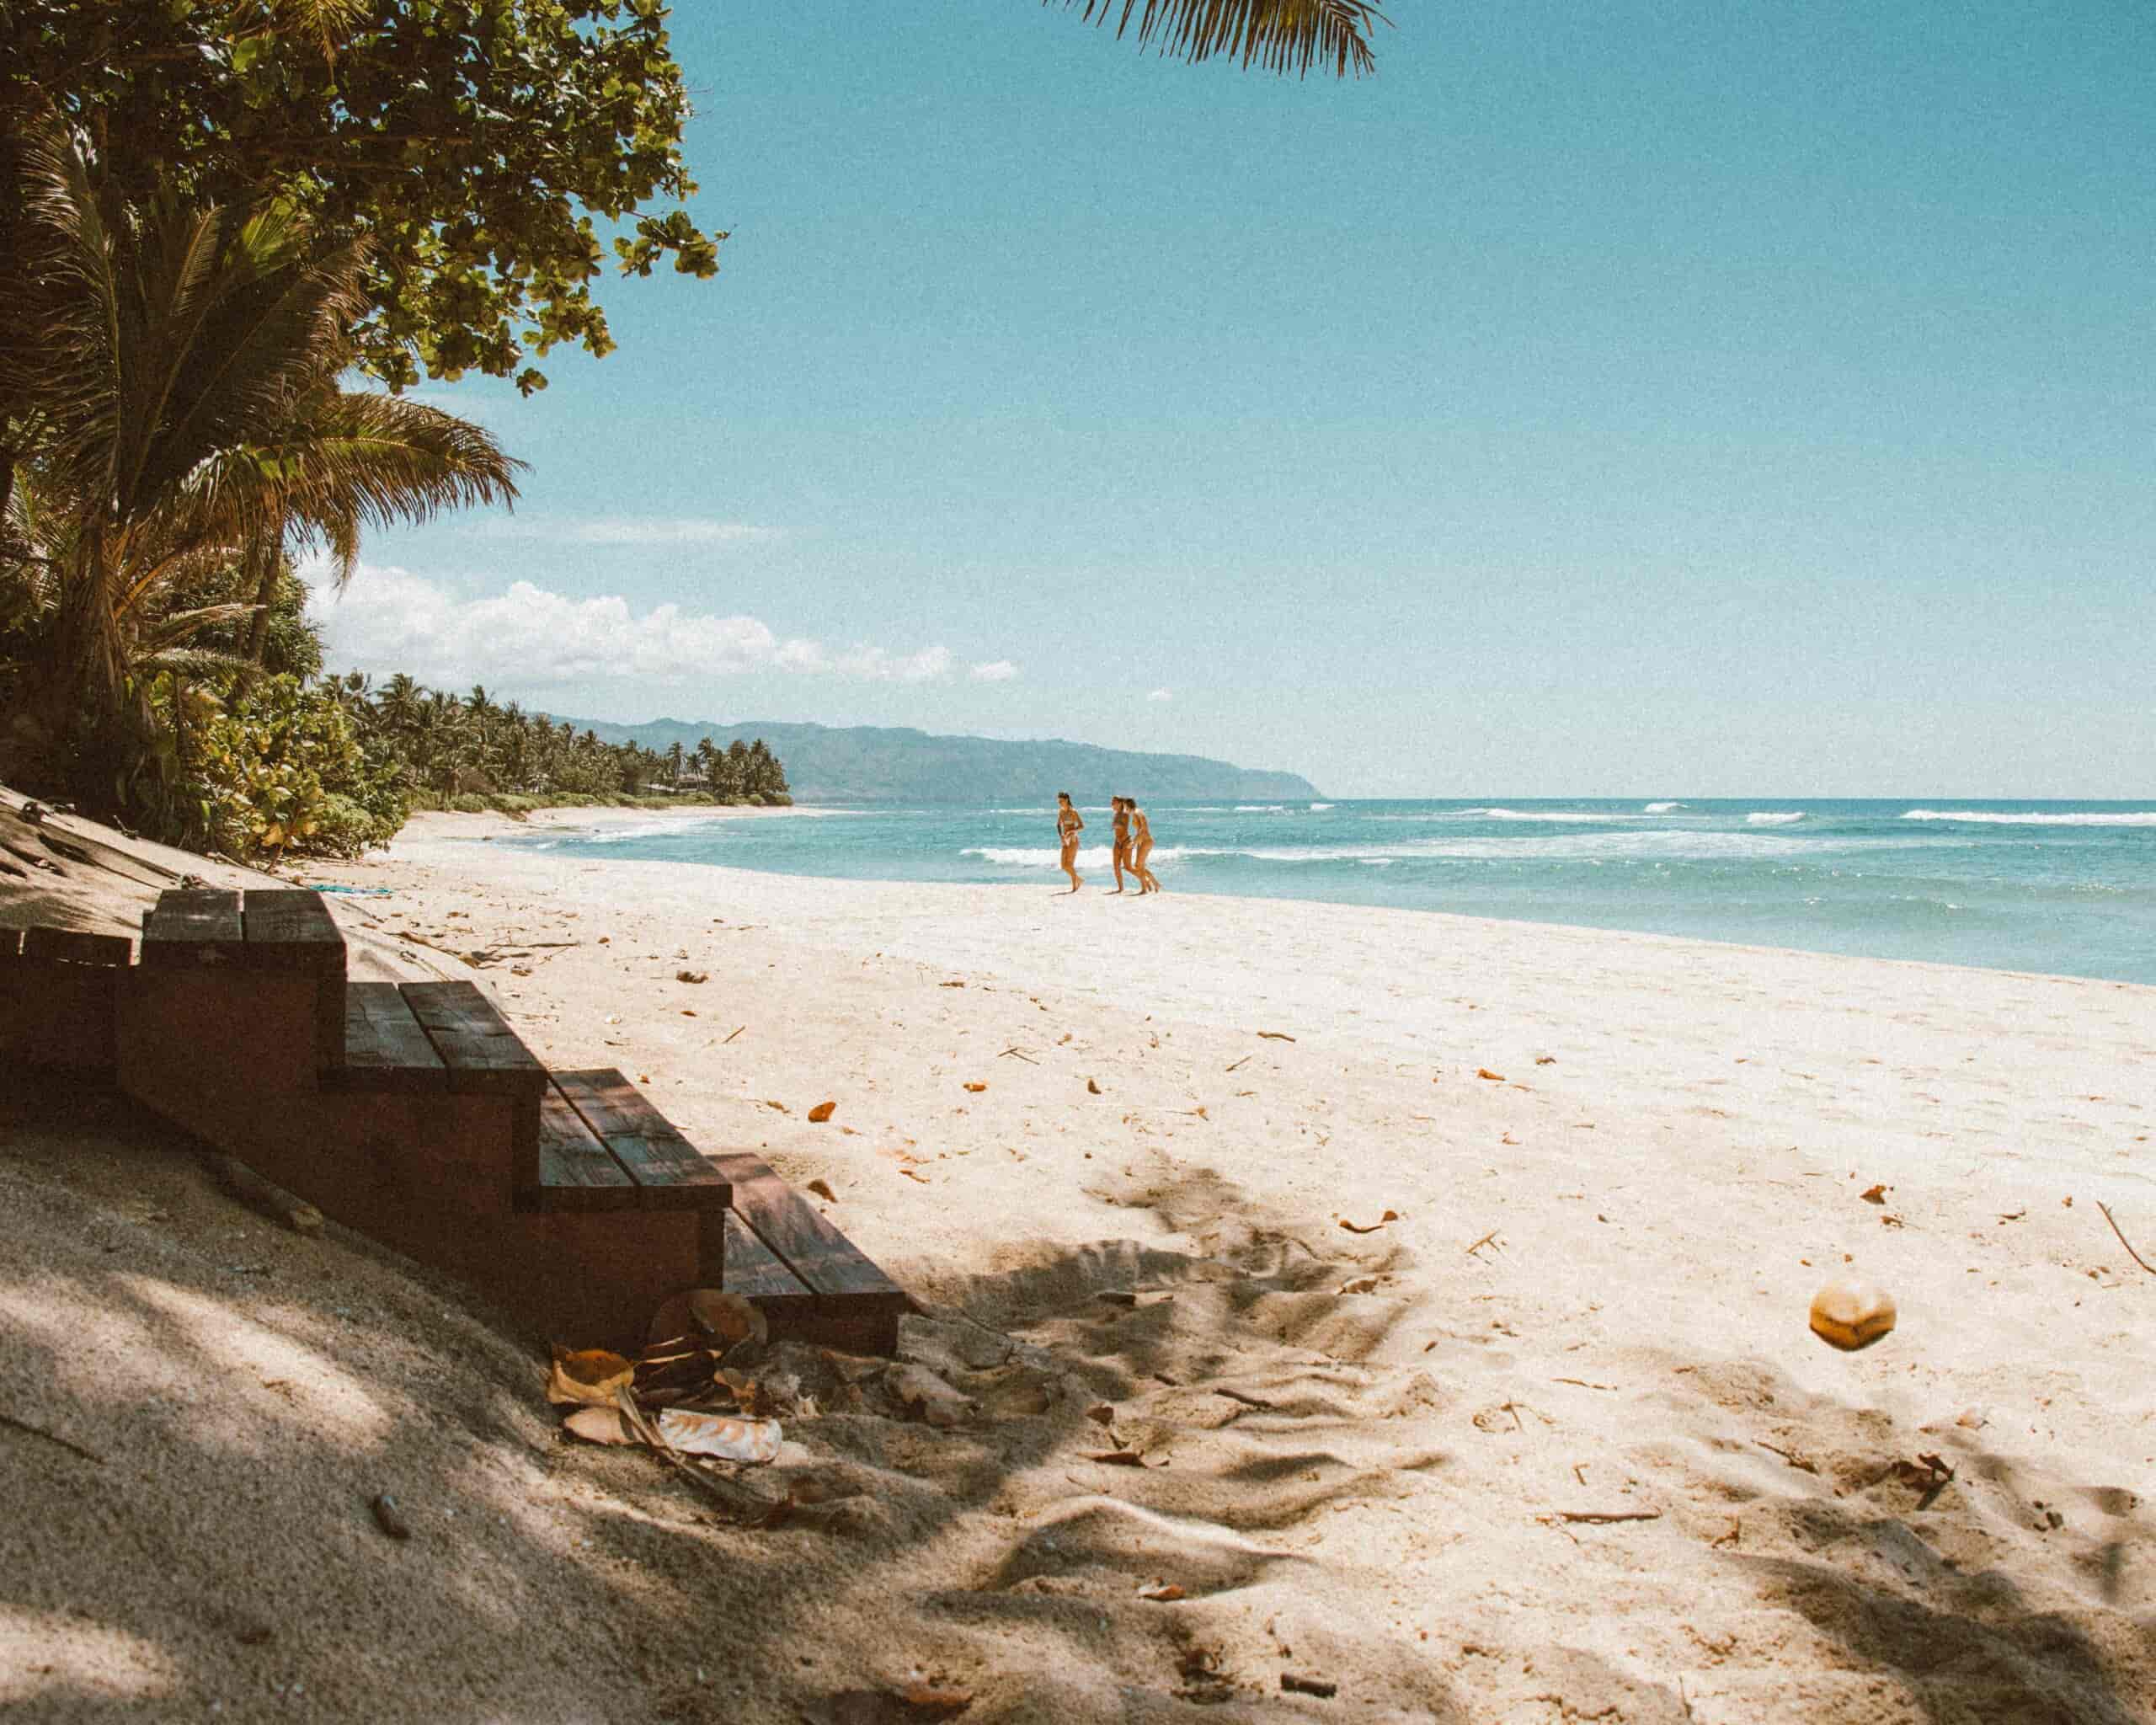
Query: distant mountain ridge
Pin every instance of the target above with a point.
(876, 764)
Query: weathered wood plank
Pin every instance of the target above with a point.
(755, 1272)
(809, 1246)
(670, 1172)
(289, 925)
(288, 929)
(576, 1171)
(73, 946)
(385, 1048)
(475, 1042)
(194, 925)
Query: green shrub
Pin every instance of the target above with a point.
(281, 770)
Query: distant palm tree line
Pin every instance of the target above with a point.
(451, 746)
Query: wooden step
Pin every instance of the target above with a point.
(857, 1305)
(287, 929)
(59, 996)
(386, 1047)
(484, 1057)
(664, 1170)
(278, 929)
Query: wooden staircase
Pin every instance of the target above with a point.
(413, 1113)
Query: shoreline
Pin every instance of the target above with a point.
(432, 826)
(423, 846)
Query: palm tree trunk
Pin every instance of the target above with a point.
(265, 562)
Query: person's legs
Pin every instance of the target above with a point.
(1070, 864)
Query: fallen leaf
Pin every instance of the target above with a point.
(1876, 1194)
(976, 1088)
(1092, 1087)
(691, 976)
(1101, 1414)
(822, 1189)
(950, 984)
(780, 1106)
(722, 1312)
(588, 1378)
(1390, 1215)
(1162, 1591)
(599, 1425)
(1485, 1073)
(1117, 1297)
(822, 1112)
(1545, 1059)
(1115, 1458)
(1361, 1285)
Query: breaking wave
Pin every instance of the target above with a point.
(1774, 817)
(1986, 817)
(1662, 808)
(1555, 815)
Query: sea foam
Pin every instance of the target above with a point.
(1774, 817)
(1662, 808)
(1988, 817)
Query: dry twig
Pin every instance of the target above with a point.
(2123, 1241)
(1603, 1518)
(38, 1431)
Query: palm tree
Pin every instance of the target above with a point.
(1279, 35)
(180, 376)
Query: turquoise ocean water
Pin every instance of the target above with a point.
(2068, 888)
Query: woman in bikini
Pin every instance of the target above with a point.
(1068, 826)
(1122, 854)
(1141, 837)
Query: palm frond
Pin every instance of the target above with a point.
(176, 626)
(1278, 35)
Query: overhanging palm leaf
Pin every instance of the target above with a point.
(1279, 35)
(184, 373)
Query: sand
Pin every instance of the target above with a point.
(1552, 1442)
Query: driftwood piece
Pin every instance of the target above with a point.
(257, 1194)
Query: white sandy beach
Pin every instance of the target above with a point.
(1362, 1443)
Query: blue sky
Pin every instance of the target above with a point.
(1622, 399)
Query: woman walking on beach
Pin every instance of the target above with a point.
(1141, 834)
(1068, 826)
(1122, 854)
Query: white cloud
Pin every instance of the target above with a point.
(389, 620)
(1000, 670)
(616, 529)
(686, 532)
(1162, 695)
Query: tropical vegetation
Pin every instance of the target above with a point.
(474, 751)
(216, 218)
